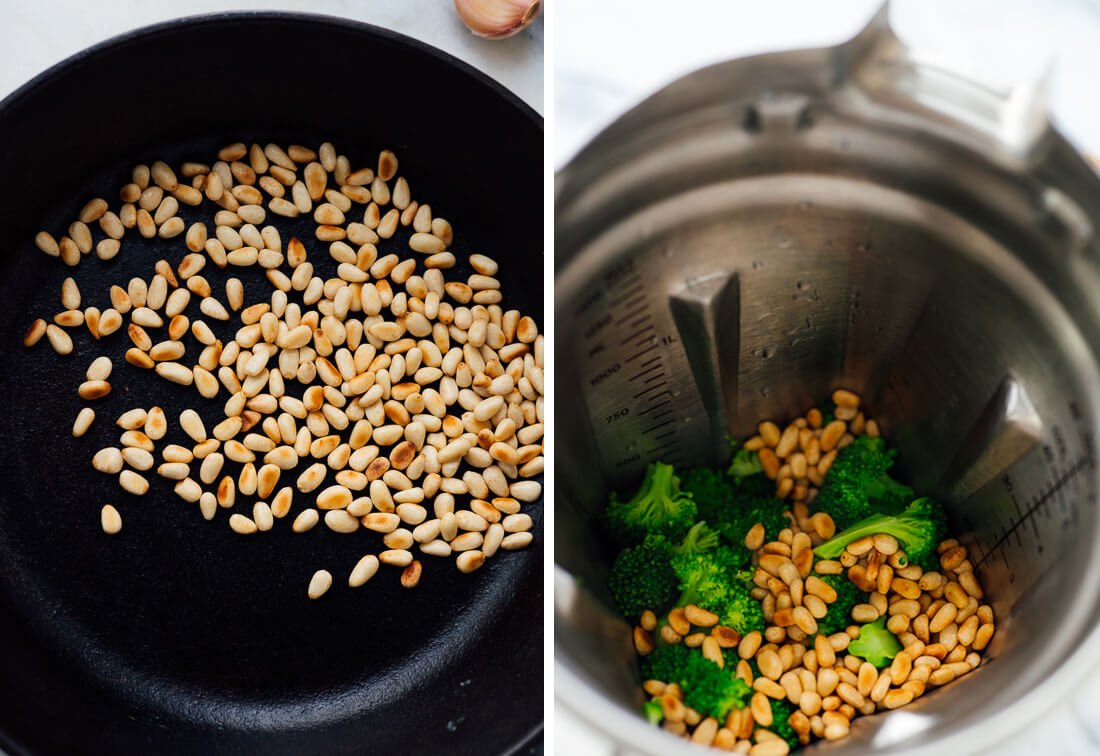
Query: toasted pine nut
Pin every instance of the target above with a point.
(697, 616)
(831, 435)
(468, 561)
(885, 544)
(845, 398)
(749, 645)
(983, 636)
(712, 651)
(895, 699)
(761, 709)
(515, 541)
(110, 520)
(769, 664)
(970, 584)
(83, 421)
(410, 576)
(755, 537)
(319, 584)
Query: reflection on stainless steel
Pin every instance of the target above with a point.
(768, 229)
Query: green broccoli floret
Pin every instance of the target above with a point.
(711, 690)
(653, 711)
(708, 689)
(919, 529)
(732, 510)
(757, 503)
(781, 724)
(742, 612)
(714, 496)
(713, 581)
(642, 577)
(839, 614)
(744, 464)
(857, 484)
(710, 490)
(659, 506)
(875, 644)
(698, 539)
(665, 662)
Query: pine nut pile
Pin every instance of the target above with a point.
(799, 457)
(356, 395)
(939, 617)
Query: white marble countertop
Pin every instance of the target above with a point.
(36, 35)
(613, 53)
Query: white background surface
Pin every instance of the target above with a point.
(610, 54)
(35, 34)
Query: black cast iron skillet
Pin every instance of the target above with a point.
(178, 636)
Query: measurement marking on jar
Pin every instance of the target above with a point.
(649, 348)
(658, 425)
(1027, 516)
(643, 392)
(639, 391)
(635, 335)
(649, 369)
(668, 446)
(649, 409)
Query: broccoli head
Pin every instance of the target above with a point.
(713, 581)
(745, 463)
(714, 496)
(710, 490)
(839, 614)
(659, 506)
(731, 509)
(708, 688)
(875, 644)
(697, 540)
(642, 577)
(857, 484)
(919, 529)
(653, 711)
(666, 662)
(757, 503)
(711, 690)
(781, 724)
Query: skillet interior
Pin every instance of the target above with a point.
(177, 636)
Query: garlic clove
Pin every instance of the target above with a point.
(497, 19)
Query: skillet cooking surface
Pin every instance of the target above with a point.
(177, 635)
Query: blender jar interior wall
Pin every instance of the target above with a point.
(840, 254)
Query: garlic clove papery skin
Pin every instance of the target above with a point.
(497, 19)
